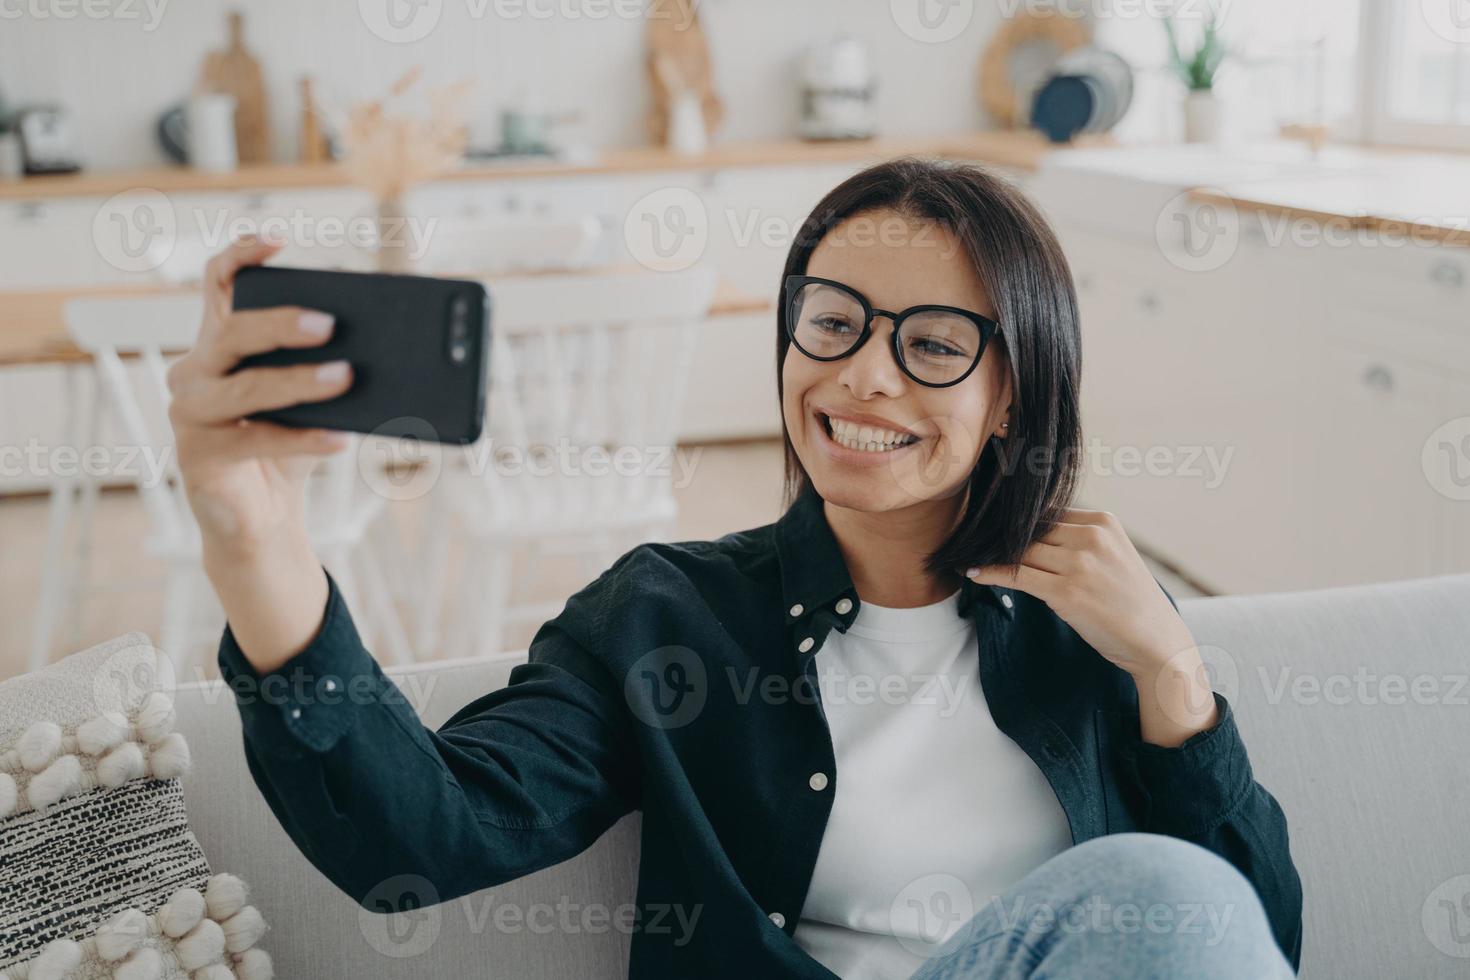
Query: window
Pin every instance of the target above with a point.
(1416, 78)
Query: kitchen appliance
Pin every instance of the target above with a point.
(48, 140)
(839, 90)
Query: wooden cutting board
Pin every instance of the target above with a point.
(678, 58)
(234, 71)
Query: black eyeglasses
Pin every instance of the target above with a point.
(937, 346)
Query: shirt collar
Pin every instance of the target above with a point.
(814, 575)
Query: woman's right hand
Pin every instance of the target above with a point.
(246, 479)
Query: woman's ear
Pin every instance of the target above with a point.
(1003, 424)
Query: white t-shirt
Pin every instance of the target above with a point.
(936, 810)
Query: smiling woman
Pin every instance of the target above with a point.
(967, 243)
(766, 699)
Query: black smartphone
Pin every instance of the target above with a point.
(419, 349)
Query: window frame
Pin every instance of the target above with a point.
(1378, 39)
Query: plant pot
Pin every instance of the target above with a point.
(1201, 117)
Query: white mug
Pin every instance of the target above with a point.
(210, 132)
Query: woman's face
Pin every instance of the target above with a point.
(896, 262)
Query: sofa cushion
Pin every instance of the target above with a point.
(101, 872)
(1354, 705)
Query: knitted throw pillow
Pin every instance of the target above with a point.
(100, 875)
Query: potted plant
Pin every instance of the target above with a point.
(1197, 68)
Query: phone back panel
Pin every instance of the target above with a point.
(396, 332)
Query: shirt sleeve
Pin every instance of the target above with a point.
(1203, 790)
(519, 779)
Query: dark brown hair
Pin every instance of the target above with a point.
(1019, 485)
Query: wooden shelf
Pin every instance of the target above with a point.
(1022, 150)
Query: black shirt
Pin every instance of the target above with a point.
(682, 683)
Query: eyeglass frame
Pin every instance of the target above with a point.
(987, 326)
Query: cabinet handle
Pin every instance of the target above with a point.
(1379, 377)
(1448, 274)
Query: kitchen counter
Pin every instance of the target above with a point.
(1398, 192)
(1424, 199)
(1022, 150)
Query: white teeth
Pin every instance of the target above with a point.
(866, 438)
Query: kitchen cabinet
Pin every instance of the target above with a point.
(1379, 513)
(1333, 376)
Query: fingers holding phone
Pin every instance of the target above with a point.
(244, 478)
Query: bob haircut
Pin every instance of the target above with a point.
(1020, 485)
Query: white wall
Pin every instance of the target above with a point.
(117, 75)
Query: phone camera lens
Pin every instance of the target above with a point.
(459, 329)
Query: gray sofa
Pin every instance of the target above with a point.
(1375, 791)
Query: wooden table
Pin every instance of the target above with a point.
(33, 330)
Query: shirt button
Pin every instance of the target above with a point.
(818, 781)
(796, 609)
(1005, 600)
(778, 920)
(806, 644)
(844, 605)
(295, 712)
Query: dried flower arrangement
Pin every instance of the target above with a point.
(387, 151)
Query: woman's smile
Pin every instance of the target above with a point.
(861, 439)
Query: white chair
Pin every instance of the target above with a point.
(181, 261)
(461, 246)
(579, 364)
(340, 506)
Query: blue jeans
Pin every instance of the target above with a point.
(1131, 906)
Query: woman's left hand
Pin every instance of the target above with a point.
(1088, 572)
